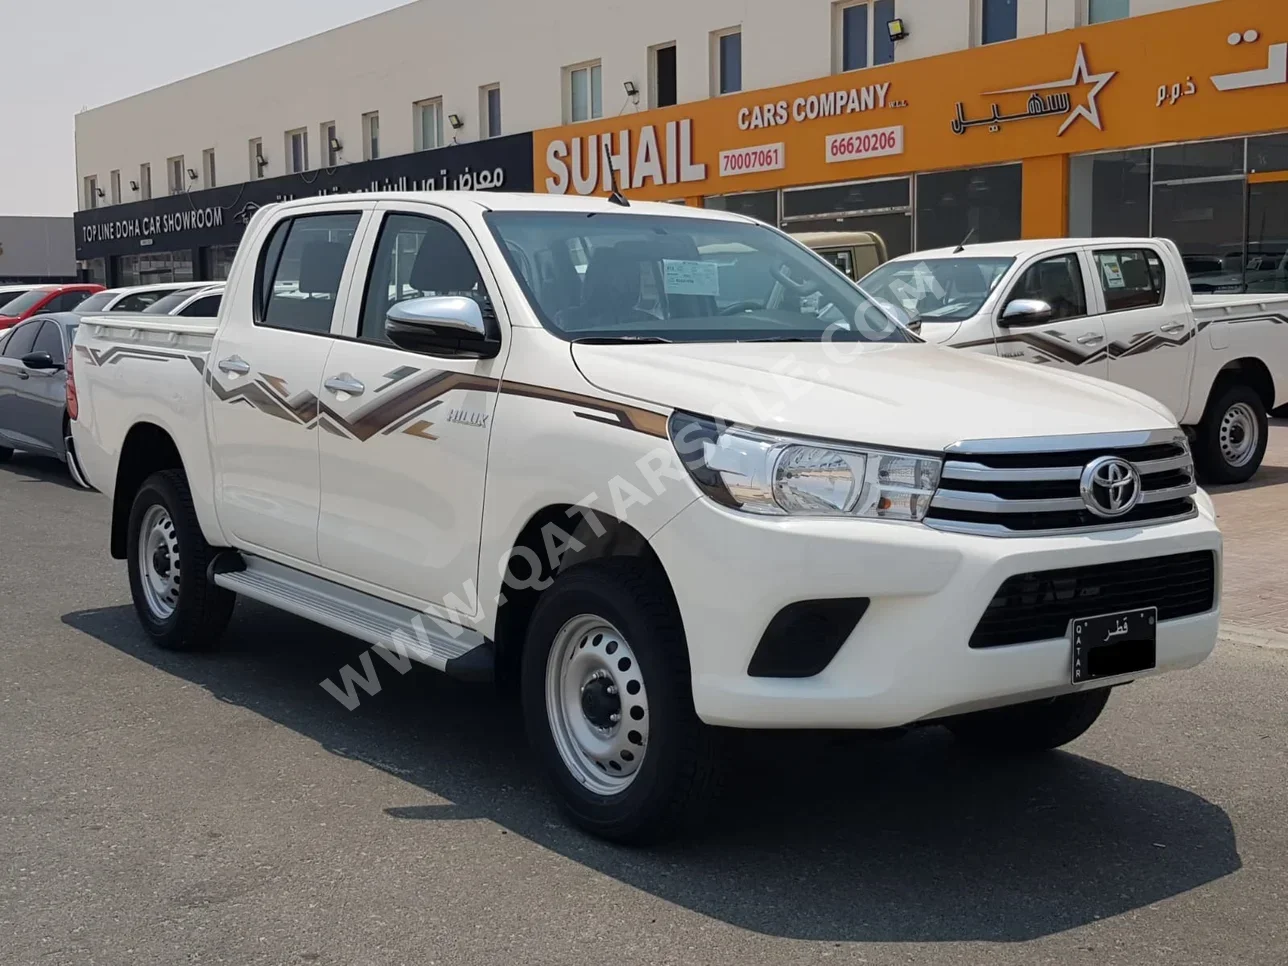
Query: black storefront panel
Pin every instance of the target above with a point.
(204, 227)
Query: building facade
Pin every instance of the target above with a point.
(36, 249)
(924, 120)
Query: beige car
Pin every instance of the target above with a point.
(854, 252)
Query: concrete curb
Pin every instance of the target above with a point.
(1253, 636)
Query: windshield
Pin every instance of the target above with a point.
(168, 303)
(639, 276)
(95, 303)
(937, 289)
(25, 302)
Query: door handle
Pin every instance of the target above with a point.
(1171, 328)
(234, 365)
(1090, 338)
(23, 374)
(344, 382)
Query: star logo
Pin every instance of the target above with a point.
(1081, 76)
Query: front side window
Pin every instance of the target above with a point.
(1132, 278)
(167, 302)
(1056, 281)
(416, 257)
(630, 277)
(937, 289)
(95, 303)
(23, 338)
(139, 301)
(301, 270)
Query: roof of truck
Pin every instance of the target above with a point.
(1013, 249)
(514, 201)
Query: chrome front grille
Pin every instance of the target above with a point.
(1032, 486)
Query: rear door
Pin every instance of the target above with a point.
(265, 373)
(1151, 335)
(1073, 337)
(47, 389)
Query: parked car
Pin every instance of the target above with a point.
(1119, 309)
(659, 523)
(10, 292)
(33, 396)
(45, 299)
(854, 252)
(135, 298)
(201, 303)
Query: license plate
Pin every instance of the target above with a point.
(1115, 644)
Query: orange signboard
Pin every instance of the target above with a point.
(1211, 70)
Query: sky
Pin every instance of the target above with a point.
(63, 56)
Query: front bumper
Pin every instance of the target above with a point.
(909, 658)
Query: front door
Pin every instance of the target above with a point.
(404, 442)
(1151, 346)
(1072, 337)
(265, 371)
(19, 390)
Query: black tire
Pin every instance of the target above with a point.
(1213, 464)
(679, 775)
(6, 454)
(1036, 726)
(202, 610)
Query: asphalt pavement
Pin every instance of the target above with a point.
(162, 808)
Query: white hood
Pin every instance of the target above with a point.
(911, 396)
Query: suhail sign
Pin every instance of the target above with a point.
(149, 226)
(658, 157)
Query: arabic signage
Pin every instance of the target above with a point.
(218, 216)
(1092, 89)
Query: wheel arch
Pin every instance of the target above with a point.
(1249, 371)
(558, 537)
(147, 449)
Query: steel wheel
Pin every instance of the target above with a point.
(597, 704)
(158, 562)
(1239, 434)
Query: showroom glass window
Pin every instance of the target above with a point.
(882, 206)
(982, 203)
(761, 205)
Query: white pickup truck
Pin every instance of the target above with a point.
(1119, 309)
(664, 472)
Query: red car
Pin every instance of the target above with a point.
(44, 299)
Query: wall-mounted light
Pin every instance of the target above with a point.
(898, 29)
(632, 89)
(192, 175)
(134, 186)
(335, 145)
(456, 121)
(260, 161)
(100, 192)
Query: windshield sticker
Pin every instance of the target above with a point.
(684, 277)
(1112, 271)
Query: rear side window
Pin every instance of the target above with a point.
(415, 257)
(206, 307)
(138, 301)
(67, 301)
(95, 303)
(1132, 278)
(300, 272)
(49, 340)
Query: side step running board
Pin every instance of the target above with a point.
(459, 651)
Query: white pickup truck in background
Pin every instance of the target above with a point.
(666, 472)
(1119, 309)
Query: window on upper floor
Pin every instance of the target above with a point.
(115, 187)
(257, 160)
(663, 88)
(208, 168)
(330, 143)
(297, 151)
(174, 175)
(583, 92)
(91, 192)
(371, 136)
(998, 21)
(726, 51)
(1102, 11)
(428, 122)
(860, 35)
(490, 113)
(145, 181)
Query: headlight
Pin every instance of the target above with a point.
(776, 476)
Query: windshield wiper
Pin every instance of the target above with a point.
(786, 338)
(621, 340)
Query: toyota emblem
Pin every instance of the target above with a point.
(1110, 487)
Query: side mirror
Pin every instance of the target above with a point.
(1021, 312)
(443, 325)
(40, 361)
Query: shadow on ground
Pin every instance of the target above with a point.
(822, 839)
(30, 468)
